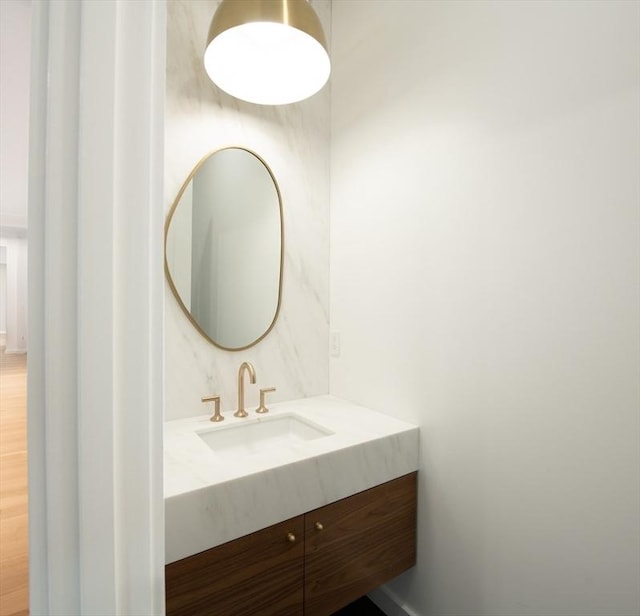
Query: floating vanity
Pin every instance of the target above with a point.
(300, 510)
(295, 508)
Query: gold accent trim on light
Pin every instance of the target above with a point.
(295, 13)
(253, 67)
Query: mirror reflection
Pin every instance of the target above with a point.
(224, 246)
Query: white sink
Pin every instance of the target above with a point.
(257, 435)
(213, 496)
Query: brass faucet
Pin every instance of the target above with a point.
(263, 408)
(244, 366)
(217, 416)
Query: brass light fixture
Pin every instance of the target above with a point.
(269, 52)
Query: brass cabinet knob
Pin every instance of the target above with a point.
(319, 526)
(291, 538)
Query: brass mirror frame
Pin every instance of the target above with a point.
(167, 224)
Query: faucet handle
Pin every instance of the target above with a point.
(217, 416)
(262, 408)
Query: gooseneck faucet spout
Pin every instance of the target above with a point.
(244, 367)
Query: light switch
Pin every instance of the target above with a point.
(335, 344)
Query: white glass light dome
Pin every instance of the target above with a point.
(269, 52)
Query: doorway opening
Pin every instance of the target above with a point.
(15, 74)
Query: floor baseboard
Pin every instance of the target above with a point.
(389, 603)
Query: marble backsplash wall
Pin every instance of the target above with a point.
(294, 141)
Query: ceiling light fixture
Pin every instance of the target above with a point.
(269, 52)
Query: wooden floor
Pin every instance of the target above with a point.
(14, 566)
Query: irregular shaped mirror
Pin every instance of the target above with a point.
(224, 247)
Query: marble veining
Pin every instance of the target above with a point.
(210, 500)
(294, 141)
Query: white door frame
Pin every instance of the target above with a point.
(95, 362)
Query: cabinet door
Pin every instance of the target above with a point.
(356, 544)
(259, 574)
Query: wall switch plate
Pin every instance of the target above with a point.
(335, 344)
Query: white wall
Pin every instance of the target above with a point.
(16, 293)
(15, 40)
(3, 296)
(3, 303)
(484, 279)
(294, 141)
(15, 23)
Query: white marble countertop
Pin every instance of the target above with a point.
(211, 499)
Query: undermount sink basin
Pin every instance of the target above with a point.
(262, 434)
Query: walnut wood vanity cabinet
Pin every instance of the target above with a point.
(262, 573)
(311, 565)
